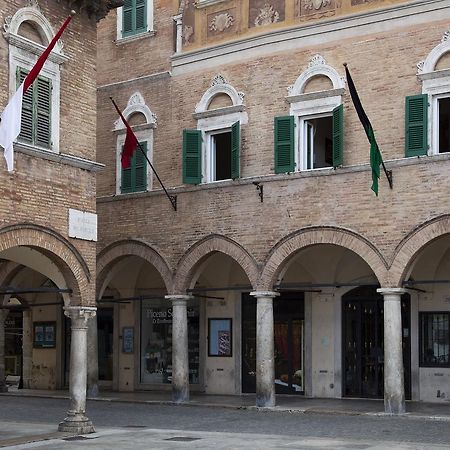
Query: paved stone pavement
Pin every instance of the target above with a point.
(123, 439)
(148, 422)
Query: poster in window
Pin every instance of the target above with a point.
(220, 337)
(44, 334)
(128, 340)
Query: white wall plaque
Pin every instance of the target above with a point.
(82, 225)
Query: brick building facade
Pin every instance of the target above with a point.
(48, 204)
(288, 265)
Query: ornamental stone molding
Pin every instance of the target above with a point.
(136, 104)
(267, 15)
(317, 66)
(97, 8)
(221, 22)
(32, 13)
(219, 85)
(429, 64)
(79, 315)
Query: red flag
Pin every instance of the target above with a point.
(11, 116)
(131, 141)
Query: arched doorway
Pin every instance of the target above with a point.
(363, 343)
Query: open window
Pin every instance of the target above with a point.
(312, 136)
(427, 115)
(212, 151)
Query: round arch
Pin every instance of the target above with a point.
(203, 248)
(413, 243)
(306, 237)
(120, 249)
(55, 248)
(136, 104)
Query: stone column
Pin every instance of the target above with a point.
(3, 315)
(27, 349)
(179, 33)
(180, 360)
(265, 358)
(394, 389)
(92, 356)
(76, 421)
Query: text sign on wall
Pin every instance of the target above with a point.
(82, 225)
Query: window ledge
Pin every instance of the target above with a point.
(62, 158)
(434, 75)
(205, 3)
(315, 95)
(219, 112)
(135, 37)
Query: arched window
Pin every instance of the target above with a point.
(427, 115)
(138, 177)
(311, 137)
(212, 151)
(28, 33)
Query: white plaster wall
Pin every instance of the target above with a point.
(323, 345)
(220, 372)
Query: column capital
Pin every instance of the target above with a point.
(267, 294)
(79, 315)
(391, 291)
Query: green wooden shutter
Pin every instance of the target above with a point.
(416, 125)
(192, 156)
(141, 15)
(26, 129)
(284, 144)
(338, 135)
(43, 96)
(127, 17)
(134, 178)
(235, 149)
(140, 169)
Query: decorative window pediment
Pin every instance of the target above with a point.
(317, 67)
(219, 86)
(33, 15)
(427, 69)
(136, 104)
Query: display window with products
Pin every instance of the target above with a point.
(156, 341)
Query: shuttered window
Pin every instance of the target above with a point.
(36, 111)
(134, 178)
(416, 125)
(134, 17)
(338, 135)
(284, 144)
(192, 153)
(235, 149)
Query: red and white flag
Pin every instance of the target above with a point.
(12, 114)
(131, 141)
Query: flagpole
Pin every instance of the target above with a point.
(172, 198)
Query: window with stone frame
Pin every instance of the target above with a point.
(28, 33)
(311, 136)
(138, 177)
(211, 152)
(427, 115)
(134, 19)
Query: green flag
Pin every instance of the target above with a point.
(375, 155)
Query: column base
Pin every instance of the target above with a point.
(263, 401)
(180, 395)
(76, 424)
(3, 388)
